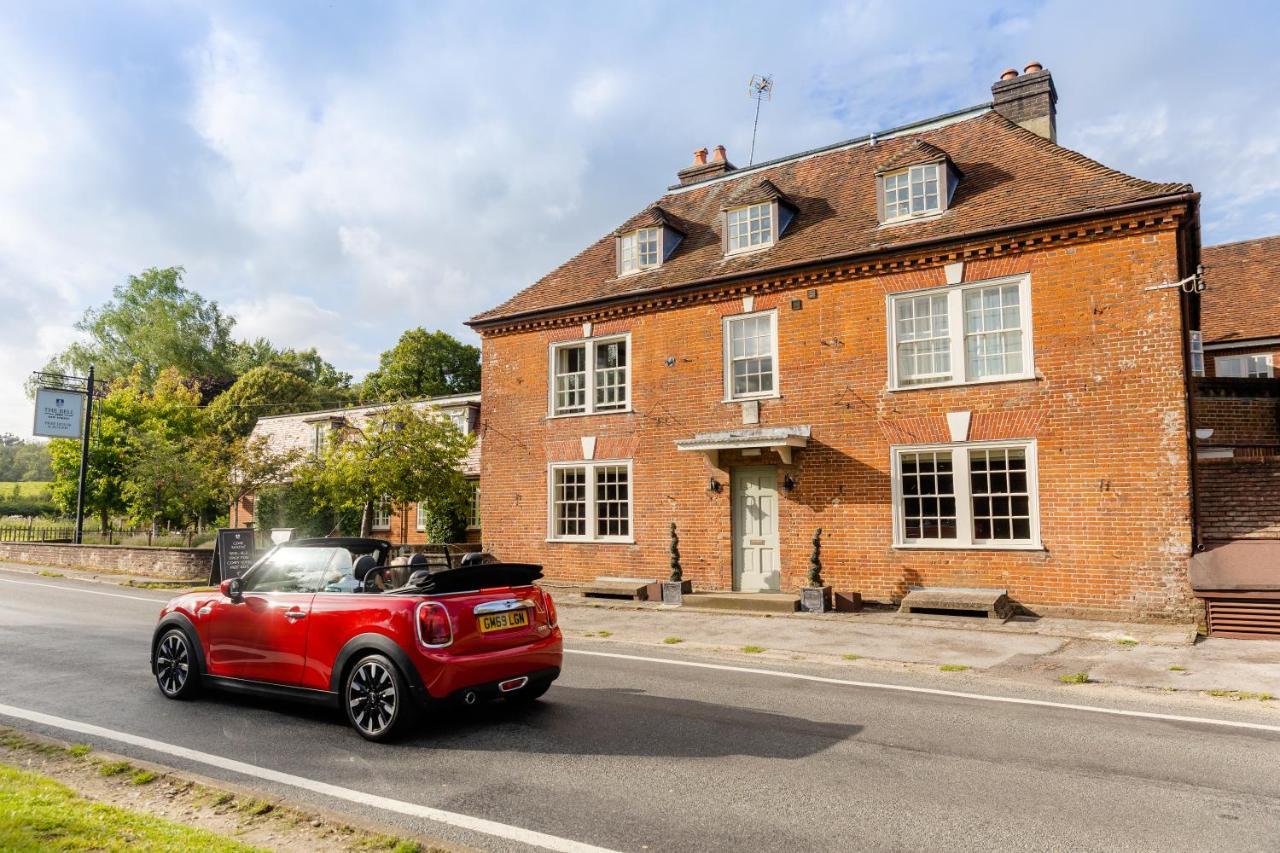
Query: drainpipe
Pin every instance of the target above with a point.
(1189, 304)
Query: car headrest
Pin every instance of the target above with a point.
(472, 558)
(417, 561)
(364, 564)
(419, 577)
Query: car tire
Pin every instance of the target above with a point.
(376, 699)
(176, 668)
(529, 694)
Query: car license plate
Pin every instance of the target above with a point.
(502, 621)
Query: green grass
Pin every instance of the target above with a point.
(45, 573)
(26, 489)
(851, 657)
(1241, 695)
(1176, 668)
(604, 633)
(142, 777)
(1075, 678)
(671, 641)
(79, 750)
(1126, 641)
(114, 768)
(953, 667)
(38, 814)
(753, 650)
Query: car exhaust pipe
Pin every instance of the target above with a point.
(469, 698)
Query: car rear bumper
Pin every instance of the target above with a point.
(506, 687)
(445, 676)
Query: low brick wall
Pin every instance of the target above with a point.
(1240, 498)
(1239, 420)
(163, 563)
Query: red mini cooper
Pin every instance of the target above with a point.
(326, 620)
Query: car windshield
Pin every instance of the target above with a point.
(295, 569)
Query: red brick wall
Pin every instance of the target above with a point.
(1239, 421)
(1107, 411)
(1240, 498)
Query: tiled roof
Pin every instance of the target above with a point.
(1242, 291)
(651, 217)
(919, 152)
(1012, 176)
(294, 432)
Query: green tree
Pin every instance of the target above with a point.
(22, 460)
(331, 386)
(406, 454)
(424, 364)
(242, 466)
(266, 390)
(152, 323)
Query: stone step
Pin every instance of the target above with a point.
(636, 589)
(749, 602)
(954, 601)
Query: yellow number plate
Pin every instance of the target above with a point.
(502, 621)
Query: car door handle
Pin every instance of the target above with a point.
(293, 615)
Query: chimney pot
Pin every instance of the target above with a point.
(720, 154)
(1009, 74)
(1032, 68)
(700, 157)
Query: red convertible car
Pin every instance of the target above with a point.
(325, 620)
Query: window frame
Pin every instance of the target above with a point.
(373, 522)
(1246, 360)
(592, 514)
(634, 236)
(956, 334)
(420, 516)
(962, 485)
(726, 355)
(940, 175)
(730, 249)
(590, 345)
(473, 503)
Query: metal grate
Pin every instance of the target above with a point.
(1244, 618)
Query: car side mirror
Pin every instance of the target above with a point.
(232, 589)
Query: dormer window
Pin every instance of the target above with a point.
(639, 250)
(750, 227)
(646, 241)
(912, 192)
(916, 183)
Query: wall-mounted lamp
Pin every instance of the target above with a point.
(788, 483)
(714, 486)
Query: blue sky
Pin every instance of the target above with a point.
(336, 173)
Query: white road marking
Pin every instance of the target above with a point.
(931, 691)
(85, 591)
(475, 824)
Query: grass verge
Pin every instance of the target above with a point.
(37, 813)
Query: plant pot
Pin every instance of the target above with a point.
(815, 599)
(673, 591)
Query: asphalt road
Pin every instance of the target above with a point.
(629, 754)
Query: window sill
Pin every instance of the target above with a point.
(747, 399)
(995, 380)
(907, 220)
(554, 417)
(939, 546)
(584, 541)
(754, 250)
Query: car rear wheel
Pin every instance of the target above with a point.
(175, 665)
(376, 698)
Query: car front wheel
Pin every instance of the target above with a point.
(376, 698)
(175, 666)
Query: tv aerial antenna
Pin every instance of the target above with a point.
(759, 89)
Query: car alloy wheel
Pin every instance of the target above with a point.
(173, 663)
(372, 698)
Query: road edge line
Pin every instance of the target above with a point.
(935, 691)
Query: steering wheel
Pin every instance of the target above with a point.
(373, 581)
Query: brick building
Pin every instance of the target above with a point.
(1237, 425)
(945, 345)
(309, 431)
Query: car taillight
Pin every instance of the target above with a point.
(434, 628)
(551, 608)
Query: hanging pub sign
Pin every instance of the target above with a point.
(59, 413)
(233, 554)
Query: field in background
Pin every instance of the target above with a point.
(14, 489)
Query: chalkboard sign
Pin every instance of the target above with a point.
(233, 553)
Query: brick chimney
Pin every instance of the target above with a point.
(701, 169)
(1028, 100)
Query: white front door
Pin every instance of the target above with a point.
(755, 530)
